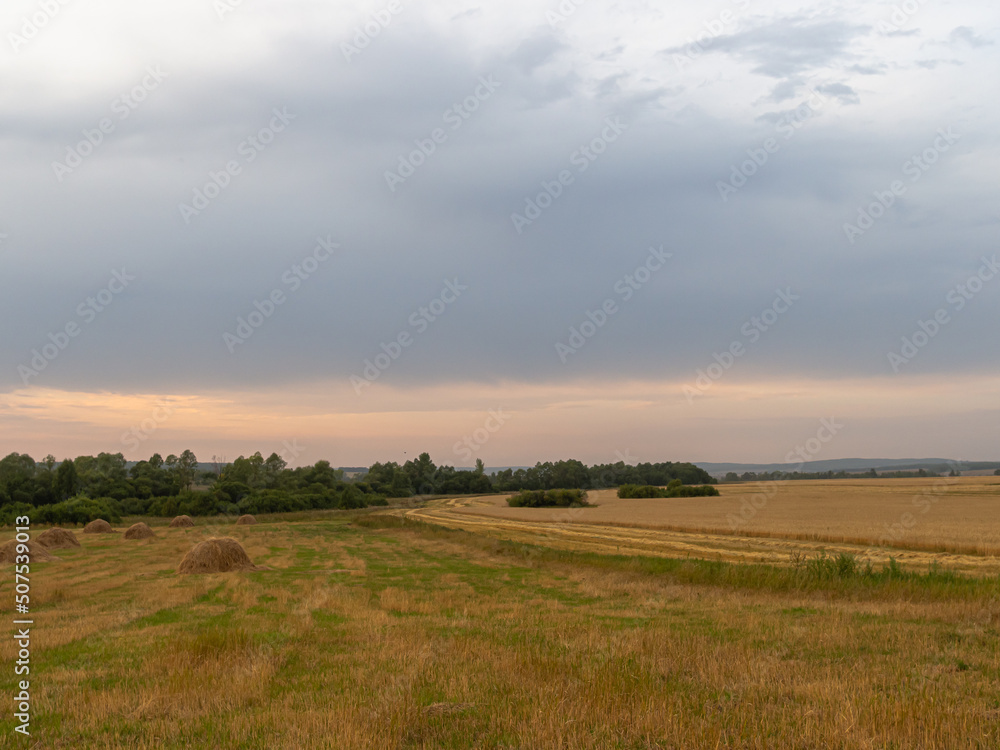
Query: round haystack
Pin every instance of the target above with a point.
(181, 522)
(56, 538)
(216, 555)
(246, 520)
(36, 552)
(139, 531)
(98, 526)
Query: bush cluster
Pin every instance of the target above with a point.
(548, 499)
(673, 489)
(82, 509)
(76, 510)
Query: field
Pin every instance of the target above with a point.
(381, 631)
(953, 522)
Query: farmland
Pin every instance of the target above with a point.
(374, 630)
(952, 521)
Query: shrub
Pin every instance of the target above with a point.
(78, 510)
(548, 499)
(10, 511)
(674, 489)
(135, 506)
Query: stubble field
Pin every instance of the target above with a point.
(954, 522)
(379, 631)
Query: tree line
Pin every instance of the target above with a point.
(782, 476)
(107, 486)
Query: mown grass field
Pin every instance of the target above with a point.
(377, 632)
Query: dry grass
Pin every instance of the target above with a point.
(440, 639)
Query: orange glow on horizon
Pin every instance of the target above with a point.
(593, 420)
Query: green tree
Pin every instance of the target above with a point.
(421, 473)
(16, 472)
(67, 481)
(187, 466)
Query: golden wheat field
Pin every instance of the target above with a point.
(953, 521)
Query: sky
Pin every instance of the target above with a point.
(520, 232)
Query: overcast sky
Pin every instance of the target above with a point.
(638, 228)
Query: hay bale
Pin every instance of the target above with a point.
(36, 552)
(217, 555)
(98, 526)
(56, 538)
(139, 531)
(181, 522)
(246, 520)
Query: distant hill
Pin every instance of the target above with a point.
(852, 465)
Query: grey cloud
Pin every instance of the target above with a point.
(871, 69)
(788, 47)
(845, 94)
(965, 35)
(932, 64)
(537, 51)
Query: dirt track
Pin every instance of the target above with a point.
(564, 530)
